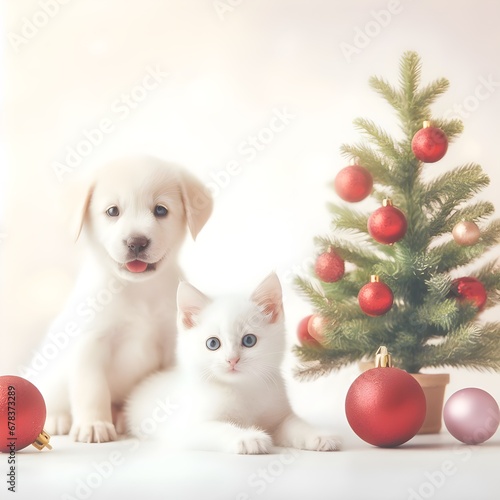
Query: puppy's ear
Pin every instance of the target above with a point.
(77, 197)
(198, 204)
(190, 302)
(268, 296)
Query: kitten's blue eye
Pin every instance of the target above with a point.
(213, 343)
(249, 340)
(160, 211)
(113, 211)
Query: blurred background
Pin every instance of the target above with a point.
(201, 82)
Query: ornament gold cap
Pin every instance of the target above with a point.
(383, 358)
(427, 124)
(387, 202)
(374, 278)
(42, 441)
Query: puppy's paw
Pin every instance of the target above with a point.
(93, 432)
(58, 424)
(252, 442)
(320, 443)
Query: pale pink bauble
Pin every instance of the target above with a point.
(471, 415)
(466, 233)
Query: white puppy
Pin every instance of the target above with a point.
(133, 216)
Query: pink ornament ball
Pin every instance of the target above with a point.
(471, 415)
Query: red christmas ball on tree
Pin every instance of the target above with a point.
(375, 298)
(22, 413)
(329, 267)
(385, 406)
(303, 332)
(387, 224)
(353, 183)
(429, 144)
(469, 289)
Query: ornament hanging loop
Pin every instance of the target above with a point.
(383, 358)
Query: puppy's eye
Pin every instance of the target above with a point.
(113, 211)
(213, 343)
(249, 340)
(160, 211)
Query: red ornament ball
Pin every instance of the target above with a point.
(22, 413)
(429, 144)
(353, 183)
(387, 224)
(469, 289)
(329, 267)
(303, 332)
(375, 298)
(385, 406)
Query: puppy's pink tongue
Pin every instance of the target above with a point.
(136, 266)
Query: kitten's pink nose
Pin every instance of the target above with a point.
(232, 362)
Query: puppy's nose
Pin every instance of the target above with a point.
(137, 244)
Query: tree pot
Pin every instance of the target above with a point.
(433, 385)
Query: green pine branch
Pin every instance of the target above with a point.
(386, 145)
(470, 346)
(380, 167)
(348, 250)
(349, 220)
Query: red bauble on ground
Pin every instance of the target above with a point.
(429, 144)
(385, 406)
(330, 266)
(387, 224)
(22, 414)
(303, 333)
(375, 298)
(353, 183)
(469, 289)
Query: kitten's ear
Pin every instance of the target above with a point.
(269, 297)
(190, 302)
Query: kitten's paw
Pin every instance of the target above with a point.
(252, 442)
(93, 432)
(321, 443)
(120, 421)
(58, 424)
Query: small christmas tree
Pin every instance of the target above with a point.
(402, 285)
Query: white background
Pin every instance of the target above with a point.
(228, 73)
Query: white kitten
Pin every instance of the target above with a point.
(227, 392)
